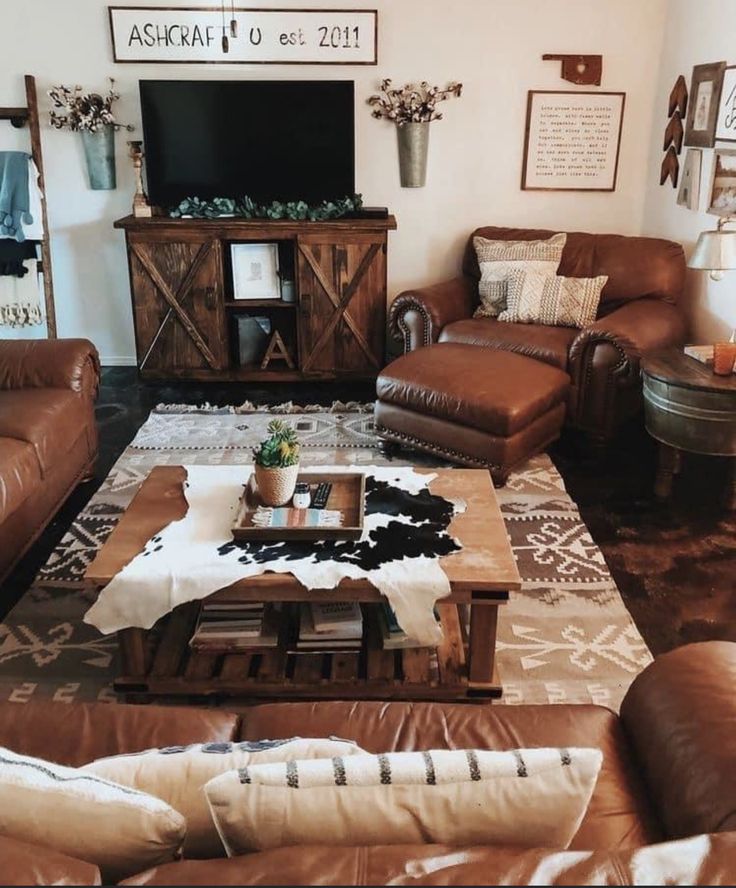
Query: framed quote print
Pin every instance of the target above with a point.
(572, 140)
(726, 126)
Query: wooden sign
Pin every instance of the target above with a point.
(572, 141)
(198, 35)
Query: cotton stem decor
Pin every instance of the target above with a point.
(91, 115)
(412, 109)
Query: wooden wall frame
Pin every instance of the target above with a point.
(525, 172)
(230, 58)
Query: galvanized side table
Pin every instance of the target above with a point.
(688, 409)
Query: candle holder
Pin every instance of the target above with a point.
(141, 208)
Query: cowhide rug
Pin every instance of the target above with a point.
(565, 638)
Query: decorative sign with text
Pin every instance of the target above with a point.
(192, 35)
(572, 141)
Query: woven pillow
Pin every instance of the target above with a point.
(119, 829)
(534, 797)
(553, 301)
(498, 259)
(178, 774)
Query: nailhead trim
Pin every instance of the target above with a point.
(434, 448)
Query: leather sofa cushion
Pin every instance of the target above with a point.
(50, 420)
(547, 344)
(618, 814)
(702, 860)
(636, 266)
(83, 732)
(24, 864)
(20, 474)
(495, 391)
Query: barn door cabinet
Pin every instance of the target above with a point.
(186, 316)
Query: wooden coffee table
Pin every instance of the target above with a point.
(160, 663)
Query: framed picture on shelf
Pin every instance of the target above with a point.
(705, 99)
(255, 271)
(726, 126)
(572, 140)
(689, 193)
(722, 198)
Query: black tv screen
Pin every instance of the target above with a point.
(268, 139)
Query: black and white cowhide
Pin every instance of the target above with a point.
(405, 535)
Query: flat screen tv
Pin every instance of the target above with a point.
(268, 139)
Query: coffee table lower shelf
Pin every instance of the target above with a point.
(161, 664)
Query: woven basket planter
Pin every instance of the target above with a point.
(276, 486)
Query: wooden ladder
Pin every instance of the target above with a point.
(18, 118)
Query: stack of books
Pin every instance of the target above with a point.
(330, 627)
(394, 637)
(235, 626)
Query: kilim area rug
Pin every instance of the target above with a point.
(565, 638)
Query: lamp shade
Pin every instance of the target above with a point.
(715, 251)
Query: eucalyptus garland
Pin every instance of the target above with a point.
(245, 208)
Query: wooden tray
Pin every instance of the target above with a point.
(347, 496)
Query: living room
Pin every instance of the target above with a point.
(344, 398)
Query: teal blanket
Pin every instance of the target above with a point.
(14, 194)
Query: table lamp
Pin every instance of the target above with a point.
(715, 251)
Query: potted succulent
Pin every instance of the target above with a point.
(277, 464)
(91, 115)
(412, 109)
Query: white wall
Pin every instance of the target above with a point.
(696, 33)
(493, 46)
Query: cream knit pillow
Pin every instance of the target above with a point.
(553, 301)
(498, 259)
(178, 774)
(532, 797)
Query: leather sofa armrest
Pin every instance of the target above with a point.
(24, 864)
(50, 363)
(639, 327)
(680, 715)
(418, 316)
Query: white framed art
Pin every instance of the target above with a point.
(255, 271)
(722, 198)
(726, 126)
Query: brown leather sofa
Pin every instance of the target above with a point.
(638, 314)
(48, 436)
(663, 811)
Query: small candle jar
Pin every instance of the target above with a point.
(302, 496)
(724, 358)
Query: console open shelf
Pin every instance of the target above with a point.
(183, 302)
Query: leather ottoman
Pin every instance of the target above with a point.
(473, 406)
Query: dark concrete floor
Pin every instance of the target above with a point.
(674, 563)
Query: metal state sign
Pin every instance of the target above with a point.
(192, 35)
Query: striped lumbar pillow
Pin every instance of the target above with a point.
(178, 774)
(534, 797)
(119, 829)
(553, 301)
(498, 259)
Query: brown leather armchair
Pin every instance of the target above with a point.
(638, 314)
(48, 436)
